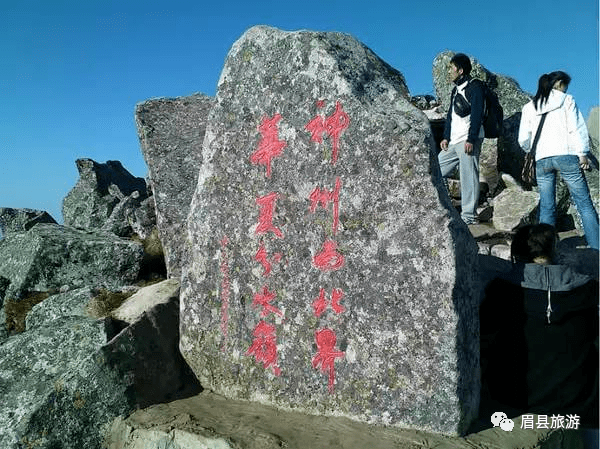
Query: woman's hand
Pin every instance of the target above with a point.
(584, 162)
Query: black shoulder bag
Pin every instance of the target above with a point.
(528, 172)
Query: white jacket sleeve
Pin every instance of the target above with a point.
(578, 137)
(524, 138)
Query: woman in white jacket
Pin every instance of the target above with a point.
(563, 147)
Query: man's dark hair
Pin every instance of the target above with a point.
(462, 61)
(533, 241)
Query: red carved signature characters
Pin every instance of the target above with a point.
(333, 126)
(329, 259)
(326, 354)
(320, 304)
(265, 215)
(262, 258)
(225, 287)
(264, 300)
(269, 145)
(324, 197)
(264, 347)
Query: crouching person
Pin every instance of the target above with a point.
(539, 331)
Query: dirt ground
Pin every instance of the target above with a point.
(250, 426)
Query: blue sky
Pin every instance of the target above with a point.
(71, 72)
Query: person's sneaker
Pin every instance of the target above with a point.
(471, 221)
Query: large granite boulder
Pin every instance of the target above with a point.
(329, 272)
(51, 256)
(68, 375)
(171, 132)
(19, 220)
(515, 207)
(57, 388)
(100, 188)
(509, 156)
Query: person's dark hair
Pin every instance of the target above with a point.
(559, 76)
(533, 241)
(546, 84)
(543, 91)
(462, 61)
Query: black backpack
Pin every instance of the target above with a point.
(493, 115)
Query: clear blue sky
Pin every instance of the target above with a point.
(71, 72)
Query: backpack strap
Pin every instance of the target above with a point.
(537, 135)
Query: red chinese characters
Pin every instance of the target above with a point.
(265, 217)
(326, 354)
(332, 126)
(329, 259)
(320, 304)
(324, 197)
(269, 146)
(263, 258)
(263, 300)
(264, 346)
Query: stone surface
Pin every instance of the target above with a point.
(133, 214)
(56, 387)
(100, 188)
(68, 375)
(19, 220)
(146, 353)
(72, 303)
(50, 256)
(251, 426)
(144, 299)
(125, 435)
(514, 207)
(171, 132)
(406, 352)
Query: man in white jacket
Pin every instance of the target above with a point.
(563, 147)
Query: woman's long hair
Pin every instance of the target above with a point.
(543, 91)
(546, 84)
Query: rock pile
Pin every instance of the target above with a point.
(70, 362)
(297, 248)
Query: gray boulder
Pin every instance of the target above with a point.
(132, 215)
(50, 256)
(57, 388)
(69, 375)
(100, 188)
(171, 132)
(71, 303)
(329, 272)
(514, 207)
(19, 220)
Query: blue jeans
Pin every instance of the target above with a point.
(568, 167)
(468, 165)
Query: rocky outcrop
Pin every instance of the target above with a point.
(50, 256)
(57, 387)
(318, 226)
(19, 220)
(171, 133)
(69, 375)
(101, 190)
(515, 207)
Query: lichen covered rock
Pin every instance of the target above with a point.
(50, 256)
(171, 132)
(328, 271)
